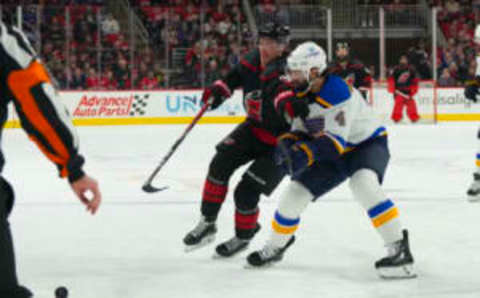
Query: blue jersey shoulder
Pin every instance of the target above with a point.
(334, 91)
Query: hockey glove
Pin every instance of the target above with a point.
(216, 94)
(471, 92)
(294, 159)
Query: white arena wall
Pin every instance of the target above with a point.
(179, 106)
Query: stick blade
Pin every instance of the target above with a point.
(148, 188)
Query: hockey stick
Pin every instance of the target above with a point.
(148, 187)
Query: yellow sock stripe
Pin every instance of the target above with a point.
(478, 162)
(283, 229)
(309, 153)
(385, 217)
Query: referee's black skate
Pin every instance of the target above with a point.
(399, 262)
(203, 234)
(268, 254)
(234, 245)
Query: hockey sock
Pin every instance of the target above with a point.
(382, 211)
(293, 202)
(246, 223)
(213, 197)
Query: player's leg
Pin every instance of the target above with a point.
(313, 183)
(474, 190)
(367, 166)
(262, 177)
(412, 111)
(231, 153)
(8, 282)
(397, 112)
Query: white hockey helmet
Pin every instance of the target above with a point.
(476, 37)
(306, 56)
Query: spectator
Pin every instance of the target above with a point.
(445, 79)
(122, 74)
(149, 82)
(212, 73)
(79, 79)
(93, 83)
(110, 28)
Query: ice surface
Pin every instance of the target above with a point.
(133, 246)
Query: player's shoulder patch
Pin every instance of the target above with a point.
(334, 91)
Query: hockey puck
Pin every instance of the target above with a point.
(61, 292)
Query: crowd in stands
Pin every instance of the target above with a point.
(215, 35)
(91, 49)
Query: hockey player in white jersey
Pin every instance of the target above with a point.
(472, 93)
(339, 139)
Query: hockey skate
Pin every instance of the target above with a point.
(399, 262)
(268, 254)
(202, 235)
(234, 245)
(473, 192)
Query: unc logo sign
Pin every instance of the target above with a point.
(182, 103)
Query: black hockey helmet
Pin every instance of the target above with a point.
(275, 31)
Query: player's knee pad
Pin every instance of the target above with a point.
(7, 197)
(246, 195)
(294, 200)
(366, 188)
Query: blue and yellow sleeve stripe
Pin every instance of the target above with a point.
(382, 213)
(338, 142)
(283, 225)
(478, 160)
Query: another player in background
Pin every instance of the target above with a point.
(25, 82)
(472, 93)
(253, 140)
(403, 84)
(339, 138)
(352, 70)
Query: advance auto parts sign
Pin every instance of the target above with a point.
(111, 105)
(146, 107)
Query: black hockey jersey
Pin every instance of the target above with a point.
(25, 82)
(354, 73)
(403, 79)
(259, 87)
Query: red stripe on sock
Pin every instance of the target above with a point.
(214, 193)
(246, 221)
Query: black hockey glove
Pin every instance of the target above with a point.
(216, 94)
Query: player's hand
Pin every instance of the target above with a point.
(471, 92)
(84, 187)
(215, 95)
(297, 107)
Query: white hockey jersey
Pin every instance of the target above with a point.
(340, 113)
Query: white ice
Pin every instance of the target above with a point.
(133, 247)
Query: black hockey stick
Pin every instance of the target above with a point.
(148, 187)
(286, 157)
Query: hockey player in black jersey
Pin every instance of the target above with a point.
(351, 70)
(253, 140)
(25, 82)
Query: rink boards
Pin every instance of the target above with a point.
(179, 106)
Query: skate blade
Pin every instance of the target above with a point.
(248, 266)
(217, 256)
(400, 272)
(205, 241)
